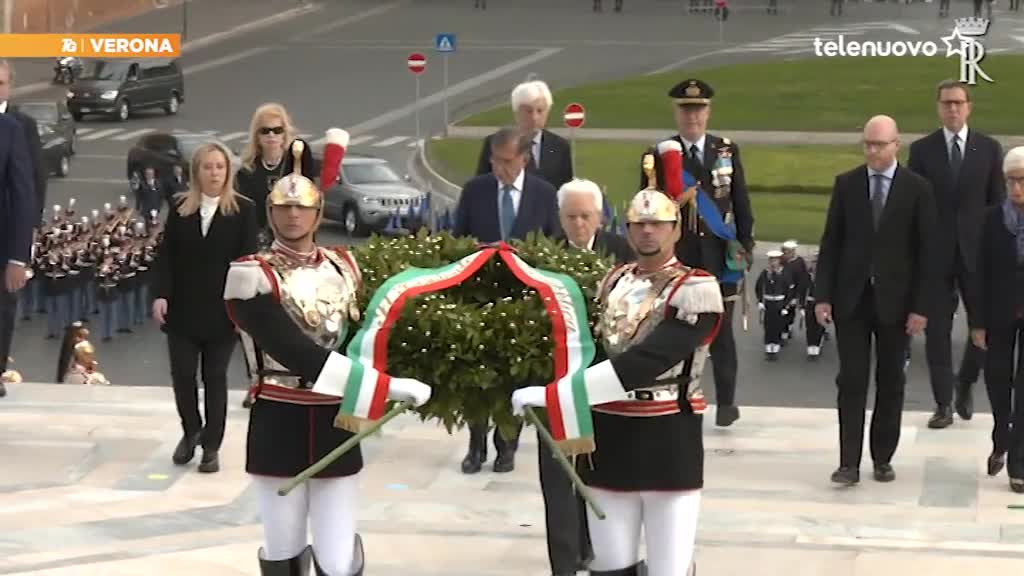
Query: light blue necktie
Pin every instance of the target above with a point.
(508, 212)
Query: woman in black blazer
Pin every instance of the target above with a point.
(211, 226)
(998, 325)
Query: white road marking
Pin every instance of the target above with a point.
(74, 180)
(348, 20)
(225, 60)
(361, 139)
(81, 131)
(133, 134)
(390, 141)
(102, 134)
(455, 89)
(233, 136)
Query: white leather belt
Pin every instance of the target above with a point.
(777, 298)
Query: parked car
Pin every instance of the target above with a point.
(163, 151)
(120, 87)
(56, 154)
(54, 113)
(369, 193)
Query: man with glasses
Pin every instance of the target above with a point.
(874, 279)
(964, 167)
(508, 202)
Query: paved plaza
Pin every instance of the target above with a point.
(88, 488)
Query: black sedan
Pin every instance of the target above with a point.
(56, 155)
(162, 152)
(55, 114)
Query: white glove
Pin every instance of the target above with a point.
(785, 312)
(529, 396)
(760, 306)
(410, 389)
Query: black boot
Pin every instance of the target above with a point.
(477, 454)
(298, 566)
(639, 569)
(358, 559)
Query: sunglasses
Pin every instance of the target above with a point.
(275, 130)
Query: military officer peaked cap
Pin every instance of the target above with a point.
(691, 91)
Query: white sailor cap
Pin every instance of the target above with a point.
(774, 254)
(789, 245)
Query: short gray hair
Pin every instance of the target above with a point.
(506, 136)
(529, 92)
(582, 186)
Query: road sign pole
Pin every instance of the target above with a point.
(572, 149)
(418, 134)
(445, 95)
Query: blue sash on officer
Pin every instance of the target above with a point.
(733, 271)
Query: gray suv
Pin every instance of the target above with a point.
(369, 193)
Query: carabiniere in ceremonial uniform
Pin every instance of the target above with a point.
(719, 222)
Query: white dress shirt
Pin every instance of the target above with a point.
(207, 210)
(536, 148)
(699, 143)
(3, 107)
(949, 141)
(590, 244)
(517, 191)
(887, 176)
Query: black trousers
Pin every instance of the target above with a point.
(188, 355)
(478, 439)
(1004, 379)
(8, 311)
(938, 344)
(977, 7)
(565, 515)
(853, 339)
(723, 358)
(944, 6)
(815, 331)
(774, 322)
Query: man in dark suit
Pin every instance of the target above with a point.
(31, 134)
(17, 210)
(510, 202)
(874, 278)
(722, 245)
(964, 167)
(580, 210)
(550, 156)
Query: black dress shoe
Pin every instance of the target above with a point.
(473, 462)
(964, 400)
(1017, 485)
(942, 418)
(3, 390)
(884, 473)
(505, 462)
(725, 415)
(846, 476)
(186, 450)
(996, 461)
(210, 462)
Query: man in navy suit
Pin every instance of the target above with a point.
(507, 203)
(17, 208)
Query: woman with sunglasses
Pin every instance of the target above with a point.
(264, 161)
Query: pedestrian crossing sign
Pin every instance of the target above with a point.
(444, 42)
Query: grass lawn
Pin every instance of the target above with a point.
(812, 94)
(790, 185)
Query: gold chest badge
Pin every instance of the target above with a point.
(634, 306)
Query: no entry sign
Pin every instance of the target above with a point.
(417, 63)
(574, 115)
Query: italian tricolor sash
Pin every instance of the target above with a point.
(568, 405)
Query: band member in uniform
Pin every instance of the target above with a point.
(815, 331)
(77, 362)
(796, 267)
(295, 302)
(774, 290)
(720, 222)
(108, 274)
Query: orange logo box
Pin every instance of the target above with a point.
(90, 45)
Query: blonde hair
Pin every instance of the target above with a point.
(252, 147)
(190, 200)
